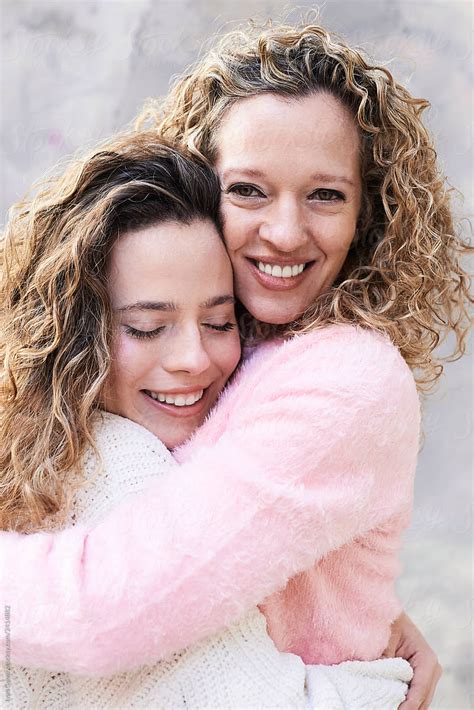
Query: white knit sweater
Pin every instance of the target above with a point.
(236, 669)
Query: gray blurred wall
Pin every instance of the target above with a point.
(74, 72)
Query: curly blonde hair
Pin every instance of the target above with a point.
(403, 274)
(56, 316)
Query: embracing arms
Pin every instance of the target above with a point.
(319, 446)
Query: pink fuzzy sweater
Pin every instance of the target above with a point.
(302, 477)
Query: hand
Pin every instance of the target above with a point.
(407, 642)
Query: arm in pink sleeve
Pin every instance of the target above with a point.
(319, 448)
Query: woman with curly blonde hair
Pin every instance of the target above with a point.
(340, 233)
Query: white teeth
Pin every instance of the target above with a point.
(284, 273)
(179, 400)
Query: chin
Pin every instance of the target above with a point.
(275, 318)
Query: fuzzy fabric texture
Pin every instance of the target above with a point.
(306, 468)
(238, 667)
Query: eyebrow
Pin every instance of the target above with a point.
(323, 177)
(328, 177)
(169, 307)
(218, 301)
(148, 306)
(243, 171)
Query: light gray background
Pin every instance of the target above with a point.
(73, 72)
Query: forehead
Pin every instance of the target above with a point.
(274, 130)
(169, 258)
(166, 243)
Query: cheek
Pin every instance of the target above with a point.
(129, 360)
(335, 239)
(227, 355)
(238, 227)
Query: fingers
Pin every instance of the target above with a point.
(423, 685)
(391, 649)
(437, 675)
(395, 636)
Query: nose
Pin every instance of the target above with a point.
(186, 352)
(284, 225)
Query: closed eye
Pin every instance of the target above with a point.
(221, 328)
(143, 334)
(327, 195)
(244, 190)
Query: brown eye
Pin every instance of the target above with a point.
(244, 190)
(326, 195)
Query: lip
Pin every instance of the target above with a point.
(182, 390)
(181, 412)
(276, 283)
(278, 261)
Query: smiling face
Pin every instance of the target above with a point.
(175, 336)
(290, 174)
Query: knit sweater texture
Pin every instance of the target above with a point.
(236, 668)
(293, 495)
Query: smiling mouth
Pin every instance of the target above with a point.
(177, 400)
(285, 272)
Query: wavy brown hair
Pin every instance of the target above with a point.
(56, 316)
(403, 274)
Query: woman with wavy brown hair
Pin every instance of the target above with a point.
(125, 253)
(58, 323)
(338, 225)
